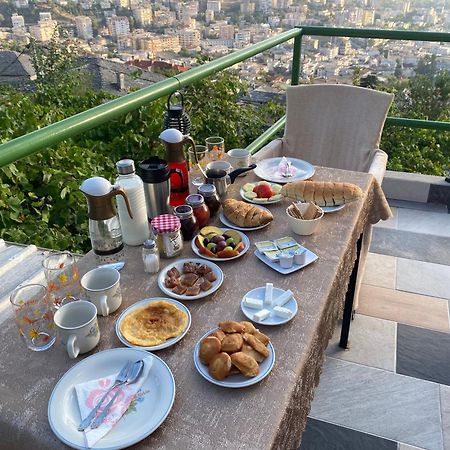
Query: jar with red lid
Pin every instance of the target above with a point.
(211, 198)
(189, 224)
(201, 211)
(166, 229)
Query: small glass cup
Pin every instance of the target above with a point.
(195, 176)
(63, 278)
(216, 148)
(34, 316)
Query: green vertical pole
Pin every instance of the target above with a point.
(296, 60)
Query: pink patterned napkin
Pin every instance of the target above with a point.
(283, 167)
(90, 392)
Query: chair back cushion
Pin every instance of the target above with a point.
(334, 125)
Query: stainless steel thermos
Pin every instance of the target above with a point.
(155, 174)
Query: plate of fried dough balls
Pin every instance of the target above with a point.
(234, 355)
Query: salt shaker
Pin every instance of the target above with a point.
(150, 256)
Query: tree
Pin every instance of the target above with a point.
(356, 78)
(425, 96)
(369, 80)
(426, 66)
(398, 72)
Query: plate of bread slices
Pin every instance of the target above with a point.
(330, 196)
(190, 279)
(244, 217)
(234, 355)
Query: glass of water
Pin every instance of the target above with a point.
(196, 177)
(34, 316)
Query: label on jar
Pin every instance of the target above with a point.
(172, 243)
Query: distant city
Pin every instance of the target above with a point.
(165, 36)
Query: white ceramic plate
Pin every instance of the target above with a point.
(229, 224)
(331, 209)
(259, 294)
(144, 302)
(153, 406)
(257, 201)
(310, 258)
(179, 265)
(237, 380)
(244, 238)
(267, 169)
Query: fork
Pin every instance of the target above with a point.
(133, 375)
(287, 173)
(120, 379)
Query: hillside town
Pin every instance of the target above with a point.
(162, 37)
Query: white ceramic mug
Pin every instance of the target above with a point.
(219, 165)
(239, 157)
(77, 327)
(102, 287)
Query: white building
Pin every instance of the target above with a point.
(189, 39)
(368, 17)
(143, 16)
(189, 10)
(45, 16)
(214, 5)
(248, 7)
(44, 30)
(21, 3)
(118, 26)
(243, 37)
(265, 6)
(226, 32)
(281, 4)
(18, 22)
(122, 3)
(164, 17)
(84, 27)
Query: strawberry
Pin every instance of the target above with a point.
(263, 190)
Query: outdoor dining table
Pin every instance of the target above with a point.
(269, 415)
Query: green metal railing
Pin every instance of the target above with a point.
(72, 126)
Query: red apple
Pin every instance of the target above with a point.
(263, 191)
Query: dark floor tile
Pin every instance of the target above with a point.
(440, 193)
(433, 206)
(321, 435)
(410, 245)
(423, 354)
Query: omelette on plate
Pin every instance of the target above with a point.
(153, 324)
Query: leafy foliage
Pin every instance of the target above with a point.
(425, 96)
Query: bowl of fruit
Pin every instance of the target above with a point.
(220, 244)
(262, 192)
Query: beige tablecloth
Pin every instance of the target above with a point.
(269, 415)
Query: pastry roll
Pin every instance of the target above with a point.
(322, 193)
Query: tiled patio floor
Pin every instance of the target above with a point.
(391, 390)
